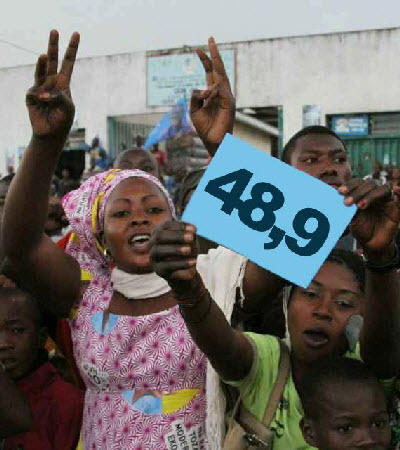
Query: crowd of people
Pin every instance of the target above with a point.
(132, 332)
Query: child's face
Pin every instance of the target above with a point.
(351, 415)
(19, 333)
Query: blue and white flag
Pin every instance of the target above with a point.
(173, 122)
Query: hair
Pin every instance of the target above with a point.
(315, 129)
(351, 261)
(135, 150)
(346, 258)
(189, 183)
(7, 179)
(332, 371)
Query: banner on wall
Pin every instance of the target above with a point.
(171, 77)
(351, 125)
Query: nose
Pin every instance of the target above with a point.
(322, 310)
(367, 441)
(5, 342)
(140, 218)
(328, 170)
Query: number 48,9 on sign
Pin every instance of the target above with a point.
(231, 200)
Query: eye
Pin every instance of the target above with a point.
(17, 330)
(340, 160)
(310, 160)
(120, 213)
(381, 423)
(345, 429)
(345, 304)
(310, 294)
(156, 210)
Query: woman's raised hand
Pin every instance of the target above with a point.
(173, 255)
(213, 110)
(49, 102)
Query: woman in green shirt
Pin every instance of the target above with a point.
(317, 316)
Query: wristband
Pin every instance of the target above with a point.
(394, 263)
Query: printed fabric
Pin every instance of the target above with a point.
(145, 376)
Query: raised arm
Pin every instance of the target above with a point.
(174, 258)
(375, 227)
(213, 110)
(52, 275)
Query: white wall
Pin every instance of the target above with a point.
(254, 137)
(345, 72)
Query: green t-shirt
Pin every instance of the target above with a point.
(256, 389)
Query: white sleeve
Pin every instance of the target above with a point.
(222, 271)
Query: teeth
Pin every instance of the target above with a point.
(140, 238)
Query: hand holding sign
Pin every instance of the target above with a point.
(213, 110)
(376, 223)
(277, 216)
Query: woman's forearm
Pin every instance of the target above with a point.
(229, 352)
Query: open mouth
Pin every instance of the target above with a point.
(140, 242)
(316, 337)
(9, 363)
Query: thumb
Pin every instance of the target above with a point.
(197, 100)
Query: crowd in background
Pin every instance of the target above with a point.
(120, 328)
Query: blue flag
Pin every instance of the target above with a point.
(173, 122)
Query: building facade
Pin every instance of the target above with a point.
(352, 77)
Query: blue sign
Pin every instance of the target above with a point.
(277, 216)
(171, 77)
(350, 125)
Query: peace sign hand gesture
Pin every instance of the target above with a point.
(49, 102)
(213, 110)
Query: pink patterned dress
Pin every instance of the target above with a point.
(138, 354)
(145, 376)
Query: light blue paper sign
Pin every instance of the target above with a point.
(277, 216)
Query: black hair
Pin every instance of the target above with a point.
(135, 150)
(351, 261)
(315, 129)
(189, 183)
(336, 370)
(7, 179)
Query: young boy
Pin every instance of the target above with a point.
(344, 407)
(56, 405)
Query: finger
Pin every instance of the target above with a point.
(166, 268)
(214, 93)
(358, 194)
(177, 252)
(174, 237)
(52, 53)
(177, 225)
(208, 67)
(40, 71)
(381, 194)
(196, 101)
(218, 65)
(351, 185)
(67, 66)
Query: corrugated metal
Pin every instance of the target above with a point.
(364, 151)
(385, 124)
